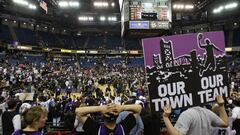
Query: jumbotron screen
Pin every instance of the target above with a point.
(150, 14)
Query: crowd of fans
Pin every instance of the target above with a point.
(60, 88)
(45, 99)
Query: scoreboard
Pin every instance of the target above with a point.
(148, 14)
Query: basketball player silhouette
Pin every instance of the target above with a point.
(209, 57)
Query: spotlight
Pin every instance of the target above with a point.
(113, 4)
(102, 18)
(85, 18)
(21, 2)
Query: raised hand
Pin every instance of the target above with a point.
(200, 36)
(106, 109)
(220, 100)
(167, 110)
(116, 109)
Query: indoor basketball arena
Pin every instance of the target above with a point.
(119, 67)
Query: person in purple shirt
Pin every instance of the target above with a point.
(110, 113)
(35, 119)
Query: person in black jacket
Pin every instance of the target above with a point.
(56, 111)
(11, 120)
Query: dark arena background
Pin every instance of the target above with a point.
(66, 54)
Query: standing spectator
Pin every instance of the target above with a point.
(67, 83)
(118, 99)
(110, 113)
(56, 111)
(196, 120)
(35, 119)
(79, 127)
(69, 115)
(11, 120)
(138, 128)
(69, 91)
(57, 91)
(236, 117)
(3, 106)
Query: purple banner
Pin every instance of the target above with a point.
(182, 44)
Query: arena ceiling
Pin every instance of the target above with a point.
(68, 18)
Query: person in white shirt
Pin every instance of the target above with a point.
(3, 106)
(67, 83)
(118, 99)
(196, 120)
(79, 127)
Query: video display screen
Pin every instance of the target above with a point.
(158, 13)
(149, 16)
(139, 24)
